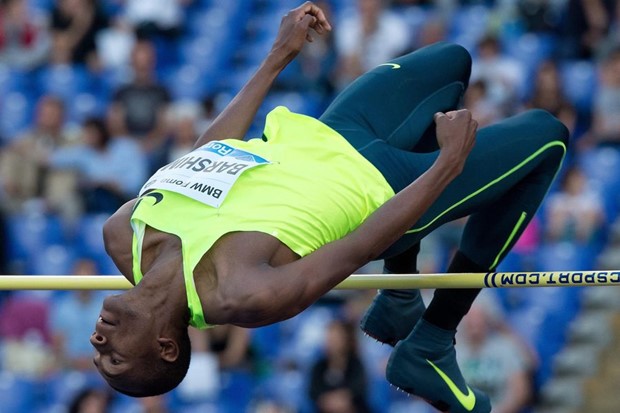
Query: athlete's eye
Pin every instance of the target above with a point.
(114, 361)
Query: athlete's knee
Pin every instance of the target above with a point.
(449, 57)
(459, 57)
(553, 129)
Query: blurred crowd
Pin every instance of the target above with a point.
(97, 95)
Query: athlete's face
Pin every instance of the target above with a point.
(123, 339)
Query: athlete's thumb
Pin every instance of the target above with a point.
(439, 117)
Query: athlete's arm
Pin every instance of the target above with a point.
(271, 294)
(236, 118)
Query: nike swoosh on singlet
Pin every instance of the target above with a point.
(394, 65)
(158, 198)
(467, 400)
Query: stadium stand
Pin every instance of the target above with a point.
(220, 44)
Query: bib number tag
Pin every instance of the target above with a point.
(206, 174)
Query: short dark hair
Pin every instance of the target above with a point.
(161, 377)
(99, 125)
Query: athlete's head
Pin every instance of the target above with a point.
(138, 354)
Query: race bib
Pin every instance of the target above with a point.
(206, 174)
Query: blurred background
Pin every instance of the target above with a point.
(96, 95)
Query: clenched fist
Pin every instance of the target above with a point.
(456, 135)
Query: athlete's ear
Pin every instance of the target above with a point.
(168, 349)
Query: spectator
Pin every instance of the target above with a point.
(549, 95)
(24, 328)
(338, 378)
(606, 116)
(23, 171)
(202, 381)
(71, 322)
(109, 171)
(432, 31)
(371, 37)
(231, 345)
(538, 16)
(24, 43)
(155, 404)
(575, 213)
(90, 400)
(183, 123)
(586, 25)
(482, 108)
(155, 17)
(502, 75)
(314, 70)
(613, 37)
(3, 241)
(493, 361)
(144, 101)
(74, 25)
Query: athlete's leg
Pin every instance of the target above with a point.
(393, 313)
(395, 103)
(504, 181)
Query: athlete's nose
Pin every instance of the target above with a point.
(97, 339)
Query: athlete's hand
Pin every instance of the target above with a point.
(456, 135)
(296, 28)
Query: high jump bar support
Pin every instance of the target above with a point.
(354, 282)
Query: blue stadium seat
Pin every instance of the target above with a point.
(89, 234)
(267, 341)
(111, 79)
(237, 390)
(16, 394)
(12, 80)
(563, 256)
(124, 404)
(85, 105)
(600, 166)
(17, 112)
(189, 82)
(579, 82)
(62, 387)
(30, 233)
(202, 52)
(415, 17)
(65, 81)
(530, 50)
(287, 387)
(214, 22)
(88, 242)
(41, 5)
(52, 259)
(469, 24)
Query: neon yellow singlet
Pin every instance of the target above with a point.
(316, 189)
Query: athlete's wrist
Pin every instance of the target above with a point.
(277, 59)
(450, 165)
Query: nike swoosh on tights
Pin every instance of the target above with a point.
(467, 400)
(394, 65)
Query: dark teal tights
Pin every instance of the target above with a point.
(387, 115)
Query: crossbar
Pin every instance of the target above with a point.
(354, 282)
